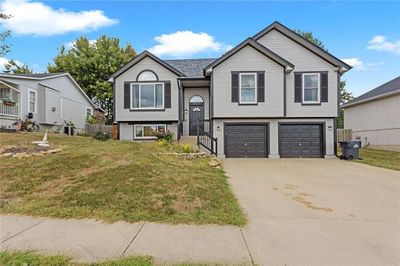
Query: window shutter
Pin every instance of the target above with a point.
(235, 87)
(167, 94)
(260, 87)
(297, 88)
(324, 87)
(127, 95)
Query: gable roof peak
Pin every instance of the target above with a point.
(276, 25)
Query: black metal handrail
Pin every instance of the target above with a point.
(206, 140)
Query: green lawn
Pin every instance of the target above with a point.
(380, 158)
(31, 259)
(113, 181)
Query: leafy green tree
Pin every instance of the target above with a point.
(12, 67)
(91, 63)
(4, 48)
(344, 95)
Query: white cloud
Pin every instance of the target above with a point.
(4, 61)
(186, 43)
(355, 62)
(358, 64)
(69, 45)
(381, 43)
(39, 19)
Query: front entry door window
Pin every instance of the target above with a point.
(196, 114)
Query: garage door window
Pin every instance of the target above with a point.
(248, 85)
(311, 88)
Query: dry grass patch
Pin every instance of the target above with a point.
(115, 181)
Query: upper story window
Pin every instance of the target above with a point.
(147, 96)
(311, 87)
(32, 102)
(247, 88)
(147, 76)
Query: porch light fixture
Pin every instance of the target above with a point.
(330, 127)
(218, 128)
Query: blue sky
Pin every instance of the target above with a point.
(367, 34)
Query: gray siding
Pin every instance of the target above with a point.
(248, 59)
(376, 122)
(170, 114)
(69, 101)
(304, 60)
(189, 92)
(273, 133)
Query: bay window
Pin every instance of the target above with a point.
(147, 96)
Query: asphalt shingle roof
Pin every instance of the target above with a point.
(191, 67)
(388, 87)
(39, 75)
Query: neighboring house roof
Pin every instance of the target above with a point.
(259, 47)
(191, 67)
(43, 76)
(138, 58)
(387, 89)
(305, 43)
(36, 76)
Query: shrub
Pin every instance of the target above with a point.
(99, 135)
(162, 142)
(91, 119)
(187, 148)
(166, 135)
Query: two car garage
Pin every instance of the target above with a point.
(296, 140)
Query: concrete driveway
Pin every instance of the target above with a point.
(318, 212)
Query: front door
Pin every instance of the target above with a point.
(196, 116)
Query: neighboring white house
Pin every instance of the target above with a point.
(374, 117)
(274, 95)
(48, 99)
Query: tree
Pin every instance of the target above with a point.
(4, 48)
(91, 63)
(12, 67)
(344, 95)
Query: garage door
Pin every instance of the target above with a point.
(246, 141)
(300, 141)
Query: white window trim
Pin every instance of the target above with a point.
(255, 88)
(318, 90)
(143, 125)
(148, 108)
(29, 101)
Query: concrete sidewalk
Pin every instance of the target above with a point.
(89, 240)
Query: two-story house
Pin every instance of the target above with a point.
(274, 95)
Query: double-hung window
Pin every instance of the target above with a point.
(248, 88)
(311, 88)
(147, 96)
(32, 102)
(147, 131)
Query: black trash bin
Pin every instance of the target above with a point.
(350, 149)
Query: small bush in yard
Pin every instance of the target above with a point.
(187, 148)
(162, 142)
(166, 135)
(99, 135)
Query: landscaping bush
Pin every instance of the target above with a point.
(99, 135)
(162, 142)
(187, 148)
(166, 135)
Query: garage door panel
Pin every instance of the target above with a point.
(300, 140)
(245, 140)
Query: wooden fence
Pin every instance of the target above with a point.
(344, 134)
(91, 129)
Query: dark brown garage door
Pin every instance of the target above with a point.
(300, 141)
(246, 141)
